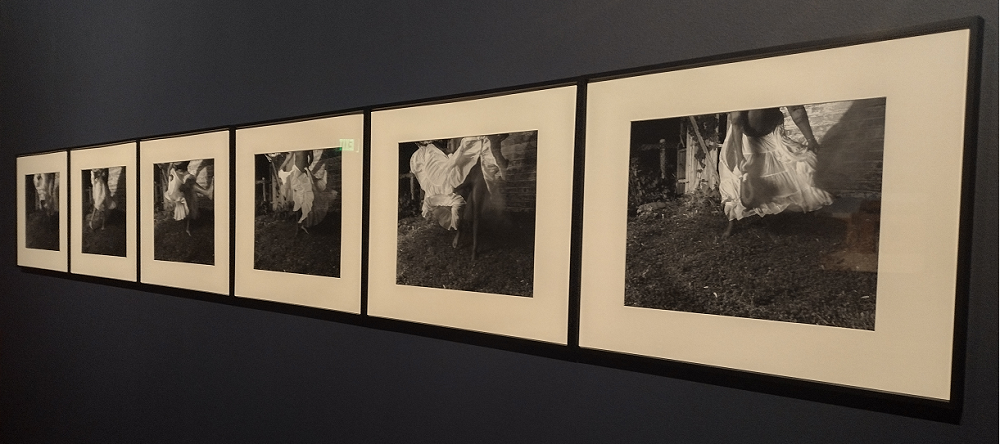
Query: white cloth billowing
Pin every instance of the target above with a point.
(439, 174)
(101, 192)
(179, 192)
(767, 175)
(307, 190)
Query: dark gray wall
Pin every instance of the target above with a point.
(82, 362)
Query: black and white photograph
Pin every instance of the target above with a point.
(184, 211)
(299, 193)
(766, 213)
(105, 208)
(184, 216)
(42, 207)
(793, 215)
(297, 226)
(42, 228)
(471, 213)
(466, 217)
(103, 211)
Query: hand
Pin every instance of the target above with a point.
(812, 144)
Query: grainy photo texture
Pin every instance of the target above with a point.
(768, 214)
(184, 216)
(104, 210)
(297, 226)
(467, 213)
(42, 212)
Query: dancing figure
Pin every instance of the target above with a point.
(101, 194)
(183, 191)
(303, 179)
(762, 171)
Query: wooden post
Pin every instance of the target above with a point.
(663, 159)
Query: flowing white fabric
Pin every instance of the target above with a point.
(307, 190)
(101, 193)
(767, 175)
(180, 193)
(47, 192)
(439, 174)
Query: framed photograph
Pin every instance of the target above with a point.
(298, 212)
(795, 216)
(42, 233)
(103, 241)
(470, 213)
(184, 212)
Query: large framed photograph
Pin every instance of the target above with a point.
(795, 216)
(42, 234)
(298, 212)
(103, 222)
(184, 211)
(470, 213)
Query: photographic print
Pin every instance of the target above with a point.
(298, 212)
(298, 227)
(184, 201)
(103, 219)
(42, 233)
(468, 200)
(471, 207)
(769, 214)
(105, 208)
(42, 224)
(184, 204)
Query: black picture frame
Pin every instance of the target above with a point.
(568, 321)
(911, 360)
(540, 315)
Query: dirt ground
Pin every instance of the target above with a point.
(42, 231)
(172, 243)
(776, 267)
(107, 241)
(279, 245)
(504, 265)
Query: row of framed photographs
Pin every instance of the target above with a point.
(757, 215)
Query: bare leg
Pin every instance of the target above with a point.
(475, 233)
(187, 226)
(729, 229)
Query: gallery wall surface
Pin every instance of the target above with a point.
(85, 361)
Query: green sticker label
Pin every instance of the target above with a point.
(346, 144)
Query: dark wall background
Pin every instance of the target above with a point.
(83, 362)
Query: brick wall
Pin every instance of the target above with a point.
(518, 189)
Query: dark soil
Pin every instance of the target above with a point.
(109, 240)
(773, 267)
(279, 245)
(504, 265)
(42, 231)
(172, 243)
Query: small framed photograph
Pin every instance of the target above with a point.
(184, 212)
(796, 216)
(471, 213)
(42, 233)
(103, 223)
(298, 212)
